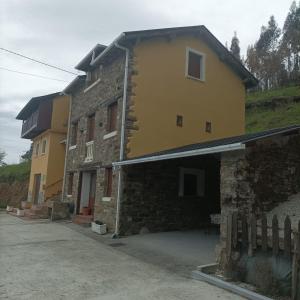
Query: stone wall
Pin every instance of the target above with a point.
(151, 198)
(84, 103)
(256, 180)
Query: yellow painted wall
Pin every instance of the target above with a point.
(56, 163)
(51, 164)
(60, 113)
(39, 163)
(162, 92)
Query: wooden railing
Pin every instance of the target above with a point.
(249, 234)
(30, 123)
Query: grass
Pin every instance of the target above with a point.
(15, 172)
(259, 119)
(263, 119)
(267, 95)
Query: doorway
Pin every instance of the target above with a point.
(36, 188)
(87, 193)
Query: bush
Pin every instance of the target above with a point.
(15, 172)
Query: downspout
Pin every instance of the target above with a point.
(67, 147)
(122, 140)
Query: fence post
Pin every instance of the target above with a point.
(295, 266)
(229, 236)
(234, 230)
(264, 233)
(287, 237)
(244, 231)
(275, 235)
(252, 235)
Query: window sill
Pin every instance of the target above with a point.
(195, 78)
(106, 199)
(89, 143)
(92, 85)
(69, 196)
(110, 135)
(72, 147)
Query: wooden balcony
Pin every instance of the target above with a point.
(37, 122)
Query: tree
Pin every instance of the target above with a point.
(290, 43)
(27, 155)
(2, 156)
(235, 47)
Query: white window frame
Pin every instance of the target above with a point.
(200, 173)
(44, 141)
(37, 149)
(202, 64)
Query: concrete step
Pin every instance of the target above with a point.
(83, 220)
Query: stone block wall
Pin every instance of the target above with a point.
(257, 179)
(151, 198)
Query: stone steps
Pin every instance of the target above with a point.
(82, 220)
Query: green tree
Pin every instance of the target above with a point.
(2, 157)
(27, 155)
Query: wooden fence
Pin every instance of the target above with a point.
(247, 233)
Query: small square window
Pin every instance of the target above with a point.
(195, 64)
(208, 127)
(179, 121)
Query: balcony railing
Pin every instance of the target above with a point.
(89, 151)
(30, 123)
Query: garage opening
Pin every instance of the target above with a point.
(175, 194)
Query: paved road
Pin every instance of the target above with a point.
(43, 260)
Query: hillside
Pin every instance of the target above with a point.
(14, 184)
(271, 109)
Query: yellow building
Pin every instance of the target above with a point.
(45, 121)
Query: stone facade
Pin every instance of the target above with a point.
(85, 102)
(256, 180)
(151, 200)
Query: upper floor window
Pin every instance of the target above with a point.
(74, 130)
(37, 149)
(112, 114)
(91, 128)
(44, 143)
(195, 64)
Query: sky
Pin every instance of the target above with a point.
(62, 32)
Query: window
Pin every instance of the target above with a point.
(195, 64)
(37, 148)
(112, 117)
(108, 182)
(44, 146)
(179, 121)
(74, 134)
(191, 183)
(70, 183)
(91, 128)
(208, 127)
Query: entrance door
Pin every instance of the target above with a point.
(92, 192)
(36, 188)
(87, 191)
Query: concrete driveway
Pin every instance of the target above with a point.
(43, 260)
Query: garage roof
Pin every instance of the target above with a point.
(216, 146)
